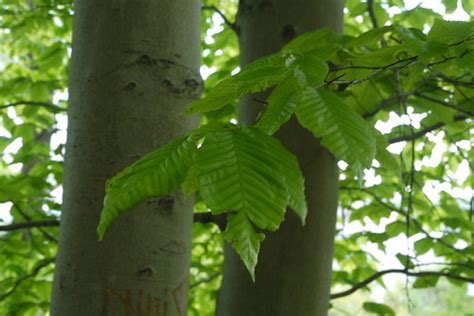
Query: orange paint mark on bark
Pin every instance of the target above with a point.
(123, 297)
(140, 303)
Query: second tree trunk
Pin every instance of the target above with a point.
(293, 275)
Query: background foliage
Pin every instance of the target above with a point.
(424, 108)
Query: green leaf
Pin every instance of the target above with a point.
(369, 38)
(416, 44)
(314, 69)
(378, 309)
(343, 131)
(280, 107)
(256, 77)
(467, 61)
(190, 182)
(238, 172)
(292, 175)
(422, 246)
(383, 156)
(450, 32)
(405, 261)
(450, 5)
(245, 240)
(468, 6)
(426, 281)
(318, 41)
(159, 173)
(250, 173)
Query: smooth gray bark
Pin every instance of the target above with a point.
(135, 66)
(293, 275)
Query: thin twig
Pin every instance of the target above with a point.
(29, 219)
(424, 131)
(385, 103)
(456, 82)
(394, 65)
(209, 279)
(204, 218)
(33, 273)
(379, 274)
(444, 103)
(370, 9)
(28, 225)
(46, 105)
(231, 25)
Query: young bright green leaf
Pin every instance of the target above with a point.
(159, 173)
(245, 240)
(422, 246)
(343, 131)
(280, 106)
(190, 181)
(405, 260)
(291, 173)
(426, 281)
(251, 173)
(382, 155)
(378, 309)
(256, 77)
(314, 68)
(239, 172)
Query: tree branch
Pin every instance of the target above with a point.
(27, 225)
(387, 102)
(443, 103)
(231, 25)
(47, 105)
(377, 70)
(28, 218)
(33, 273)
(424, 131)
(209, 279)
(370, 8)
(204, 218)
(379, 274)
(456, 82)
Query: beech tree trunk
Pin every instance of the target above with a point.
(293, 275)
(135, 66)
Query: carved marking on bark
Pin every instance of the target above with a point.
(158, 303)
(137, 302)
(176, 293)
(165, 304)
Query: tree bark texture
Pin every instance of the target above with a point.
(293, 275)
(135, 67)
